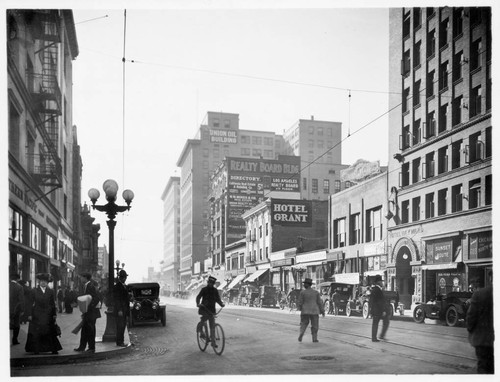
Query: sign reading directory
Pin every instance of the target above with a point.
(291, 212)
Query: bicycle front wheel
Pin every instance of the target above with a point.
(203, 337)
(220, 339)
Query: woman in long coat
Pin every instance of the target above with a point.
(42, 335)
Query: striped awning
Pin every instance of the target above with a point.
(254, 276)
(236, 281)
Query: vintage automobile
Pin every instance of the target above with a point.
(360, 302)
(267, 296)
(335, 296)
(145, 304)
(449, 308)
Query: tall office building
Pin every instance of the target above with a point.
(44, 161)
(440, 180)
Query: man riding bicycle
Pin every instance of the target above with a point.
(208, 295)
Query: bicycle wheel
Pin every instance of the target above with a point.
(220, 339)
(203, 337)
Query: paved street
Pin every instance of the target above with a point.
(264, 342)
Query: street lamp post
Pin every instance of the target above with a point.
(110, 188)
(117, 268)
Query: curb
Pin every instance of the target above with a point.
(50, 359)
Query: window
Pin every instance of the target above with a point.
(205, 164)
(311, 143)
(417, 132)
(416, 54)
(65, 160)
(260, 231)
(311, 129)
(268, 141)
(337, 185)
(405, 211)
(206, 153)
(456, 154)
(443, 118)
(314, 186)
(416, 93)
(431, 43)
(458, 22)
(245, 139)
(443, 76)
(406, 25)
(415, 209)
(456, 198)
(15, 225)
(442, 200)
(405, 138)
(487, 190)
(430, 12)
(215, 122)
(339, 233)
(430, 126)
(443, 160)
(267, 229)
(256, 140)
(267, 252)
(65, 206)
(355, 230)
(50, 246)
(35, 237)
(320, 144)
(429, 88)
(475, 148)
(429, 165)
(488, 143)
(475, 102)
(347, 184)
(256, 152)
(268, 154)
(374, 224)
(456, 111)
(475, 193)
(457, 66)
(417, 17)
(405, 174)
(416, 170)
(304, 184)
(320, 131)
(475, 16)
(443, 33)
(326, 186)
(245, 151)
(406, 94)
(260, 254)
(216, 152)
(476, 55)
(405, 64)
(227, 123)
(429, 206)
(14, 130)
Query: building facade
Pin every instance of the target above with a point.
(440, 143)
(171, 235)
(43, 150)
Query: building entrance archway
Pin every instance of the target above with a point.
(405, 284)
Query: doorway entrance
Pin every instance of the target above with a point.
(405, 283)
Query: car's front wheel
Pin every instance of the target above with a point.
(348, 310)
(419, 314)
(366, 310)
(451, 316)
(327, 307)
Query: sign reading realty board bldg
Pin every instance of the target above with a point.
(291, 212)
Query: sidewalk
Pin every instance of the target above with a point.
(69, 341)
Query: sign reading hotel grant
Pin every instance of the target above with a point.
(291, 212)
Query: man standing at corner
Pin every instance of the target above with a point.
(378, 309)
(121, 307)
(90, 317)
(480, 327)
(310, 306)
(16, 304)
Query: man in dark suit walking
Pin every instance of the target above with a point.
(480, 327)
(121, 307)
(89, 318)
(378, 309)
(16, 304)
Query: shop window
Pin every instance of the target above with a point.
(35, 237)
(442, 201)
(16, 222)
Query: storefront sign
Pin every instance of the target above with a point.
(223, 136)
(283, 262)
(314, 256)
(333, 256)
(347, 278)
(481, 246)
(291, 212)
(439, 251)
(450, 282)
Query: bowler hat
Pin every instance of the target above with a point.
(308, 281)
(122, 273)
(43, 276)
(212, 279)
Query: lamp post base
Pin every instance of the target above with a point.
(110, 331)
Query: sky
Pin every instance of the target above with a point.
(271, 63)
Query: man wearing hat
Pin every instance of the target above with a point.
(16, 304)
(378, 309)
(121, 307)
(89, 318)
(310, 306)
(208, 296)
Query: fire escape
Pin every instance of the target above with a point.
(45, 164)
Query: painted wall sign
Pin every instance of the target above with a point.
(439, 252)
(291, 212)
(223, 136)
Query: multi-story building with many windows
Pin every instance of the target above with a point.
(440, 142)
(44, 164)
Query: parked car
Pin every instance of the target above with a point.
(335, 296)
(449, 308)
(145, 303)
(267, 296)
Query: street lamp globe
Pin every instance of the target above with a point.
(128, 196)
(94, 195)
(110, 188)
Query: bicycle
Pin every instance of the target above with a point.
(203, 335)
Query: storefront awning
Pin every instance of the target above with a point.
(375, 273)
(236, 281)
(436, 267)
(254, 276)
(222, 284)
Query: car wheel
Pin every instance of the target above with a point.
(366, 310)
(348, 310)
(451, 316)
(419, 314)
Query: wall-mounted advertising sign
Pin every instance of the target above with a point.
(439, 252)
(291, 212)
(223, 136)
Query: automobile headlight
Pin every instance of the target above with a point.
(155, 305)
(137, 306)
